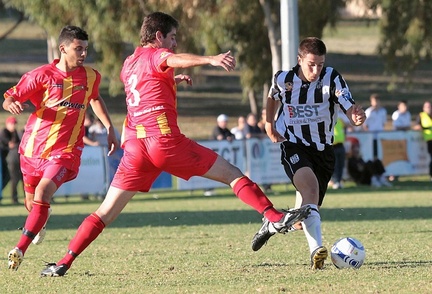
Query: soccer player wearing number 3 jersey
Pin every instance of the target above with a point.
(306, 99)
(51, 147)
(152, 140)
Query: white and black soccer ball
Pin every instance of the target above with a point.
(348, 252)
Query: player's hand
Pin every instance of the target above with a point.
(113, 143)
(225, 60)
(180, 78)
(14, 107)
(273, 134)
(358, 115)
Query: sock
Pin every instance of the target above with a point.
(87, 232)
(249, 192)
(312, 228)
(35, 221)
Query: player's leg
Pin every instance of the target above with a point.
(307, 185)
(312, 186)
(251, 194)
(92, 226)
(42, 179)
(123, 187)
(186, 158)
(34, 223)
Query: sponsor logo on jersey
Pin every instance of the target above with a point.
(344, 93)
(303, 111)
(294, 159)
(288, 86)
(79, 88)
(72, 105)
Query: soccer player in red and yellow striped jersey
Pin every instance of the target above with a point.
(52, 143)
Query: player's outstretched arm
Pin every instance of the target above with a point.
(185, 60)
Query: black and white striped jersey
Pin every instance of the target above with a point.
(309, 110)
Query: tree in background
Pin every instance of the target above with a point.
(406, 35)
(251, 27)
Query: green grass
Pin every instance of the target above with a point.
(182, 242)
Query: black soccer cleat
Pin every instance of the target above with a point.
(262, 236)
(283, 226)
(54, 270)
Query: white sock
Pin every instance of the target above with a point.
(312, 228)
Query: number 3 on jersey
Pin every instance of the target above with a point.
(133, 101)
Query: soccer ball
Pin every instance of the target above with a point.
(348, 253)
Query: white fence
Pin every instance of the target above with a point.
(402, 152)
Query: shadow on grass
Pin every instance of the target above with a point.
(226, 217)
(399, 264)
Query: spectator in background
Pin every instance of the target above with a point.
(261, 123)
(239, 131)
(220, 131)
(252, 129)
(9, 142)
(424, 123)
(401, 117)
(99, 134)
(88, 121)
(340, 154)
(369, 173)
(376, 117)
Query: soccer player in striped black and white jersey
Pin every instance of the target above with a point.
(302, 109)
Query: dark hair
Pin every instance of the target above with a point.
(374, 96)
(69, 33)
(312, 45)
(156, 21)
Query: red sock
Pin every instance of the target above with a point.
(34, 223)
(88, 231)
(249, 192)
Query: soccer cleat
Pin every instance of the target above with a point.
(54, 270)
(262, 236)
(41, 235)
(283, 226)
(318, 257)
(15, 257)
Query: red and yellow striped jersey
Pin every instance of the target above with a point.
(55, 128)
(150, 94)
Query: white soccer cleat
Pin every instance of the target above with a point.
(15, 257)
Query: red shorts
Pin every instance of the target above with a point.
(144, 159)
(59, 170)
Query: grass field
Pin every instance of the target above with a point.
(182, 242)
